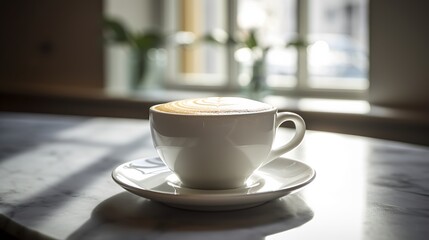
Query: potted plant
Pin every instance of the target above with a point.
(143, 46)
(249, 41)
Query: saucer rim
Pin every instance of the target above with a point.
(211, 195)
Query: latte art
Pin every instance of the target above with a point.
(213, 106)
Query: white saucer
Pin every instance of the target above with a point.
(150, 178)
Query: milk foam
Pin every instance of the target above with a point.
(213, 106)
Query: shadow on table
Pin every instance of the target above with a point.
(127, 216)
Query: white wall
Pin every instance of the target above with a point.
(136, 14)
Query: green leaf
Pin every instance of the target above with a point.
(115, 30)
(148, 40)
(251, 41)
(298, 43)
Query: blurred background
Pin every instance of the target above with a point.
(352, 66)
(303, 46)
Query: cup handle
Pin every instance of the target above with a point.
(297, 138)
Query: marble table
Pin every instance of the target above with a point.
(55, 184)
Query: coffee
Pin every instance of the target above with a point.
(214, 106)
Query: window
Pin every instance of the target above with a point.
(200, 63)
(313, 48)
(276, 25)
(338, 56)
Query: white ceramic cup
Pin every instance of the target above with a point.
(220, 150)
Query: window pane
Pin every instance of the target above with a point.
(201, 63)
(338, 54)
(282, 67)
(275, 23)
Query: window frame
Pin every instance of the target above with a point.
(231, 84)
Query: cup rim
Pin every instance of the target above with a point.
(152, 109)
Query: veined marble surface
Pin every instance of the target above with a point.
(55, 183)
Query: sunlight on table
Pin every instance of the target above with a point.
(327, 153)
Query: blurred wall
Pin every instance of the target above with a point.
(138, 15)
(51, 43)
(399, 53)
(59, 43)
